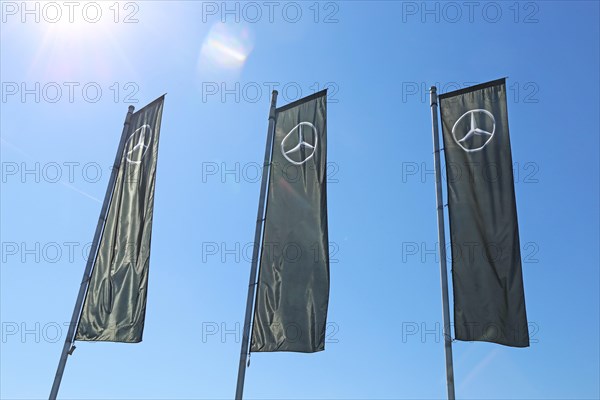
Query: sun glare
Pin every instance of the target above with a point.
(75, 42)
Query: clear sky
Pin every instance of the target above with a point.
(65, 91)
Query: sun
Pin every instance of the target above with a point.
(76, 40)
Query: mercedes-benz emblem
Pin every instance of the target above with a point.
(468, 134)
(138, 151)
(303, 150)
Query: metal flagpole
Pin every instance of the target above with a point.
(239, 391)
(68, 348)
(442, 243)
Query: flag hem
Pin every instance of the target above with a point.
(302, 100)
(469, 89)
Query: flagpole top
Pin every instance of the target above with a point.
(273, 104)
(273, 100)
(433, 96)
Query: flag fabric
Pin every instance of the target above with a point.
(293, 285)
(115, 303)
(489, 299)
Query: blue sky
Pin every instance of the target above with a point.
(378, 60)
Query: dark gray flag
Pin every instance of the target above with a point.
(293, 286)
(489, 300)
(115, 303)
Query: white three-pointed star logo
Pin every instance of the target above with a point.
(305, 149)
(138, 150)
(474, 131)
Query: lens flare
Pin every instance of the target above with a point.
(225, 49)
